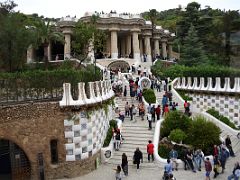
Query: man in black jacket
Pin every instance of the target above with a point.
(137, 157)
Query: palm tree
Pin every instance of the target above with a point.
(152, 16)
(45, 34)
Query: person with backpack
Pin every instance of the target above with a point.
(137, 157)
(235, 173)
(208, 168)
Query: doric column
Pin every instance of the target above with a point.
(123, 48)
(67, 45)
(108, 46)
(136, 50)
(147, 48)
(164, 48)
(128, 45)
(50, 51)
(141, 48)
(156, 47)
(170, 50)
(114, 48)
(30, 54)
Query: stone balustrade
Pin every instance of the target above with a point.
(198, 84)
(109, 15)
(99, 91)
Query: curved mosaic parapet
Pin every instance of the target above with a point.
(99, 91)
(199, 84)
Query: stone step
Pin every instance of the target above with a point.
(137, 135)
(144, 165)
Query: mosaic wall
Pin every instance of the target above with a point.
(227, 106)
(85, 133)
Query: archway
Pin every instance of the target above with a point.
(14, 163)
(119, 65)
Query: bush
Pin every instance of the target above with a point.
(177, 135)
(185, 97)
(222, 118)
(163, 151)
(203, 134)
(197, 71)
(149, 96)
(175, 120)
(112, 124)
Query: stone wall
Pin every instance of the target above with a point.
(32, 126)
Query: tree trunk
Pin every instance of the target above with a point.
(46, 55)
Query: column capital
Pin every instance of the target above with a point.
(114, 29)
(164, 40)
(136, 30)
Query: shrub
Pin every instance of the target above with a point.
(203, 134)
(175, 120)
(222, 118)
(149, 96)
(112, 124)
(177, 135)
(185, 97)
(163, 151)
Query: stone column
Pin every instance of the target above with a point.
(147, 48)
(108, 46)
(114, 48)
(136, 50)
(164, 48)
(170, 55)
(67, 46)
(128, 45)
(50, 51)
(123, 48)
(30, 54)
(91, 50)
(141, 48)
(156, 47)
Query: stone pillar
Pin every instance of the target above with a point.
(108, 44)
(156, 47)
(170, 55)
(30, 54)
(91, 51)
(114, 48)
(141, 48)
(128, 45)
(164, 48)
(123, 48)
(136, 50)
(147, 48)
(50, 51)
(67, 46)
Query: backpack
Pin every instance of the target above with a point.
(152, 111)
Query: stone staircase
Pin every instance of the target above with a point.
(135, 134)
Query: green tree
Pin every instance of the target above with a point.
(87, 36)
(192, 50)
(15, 36)
(203, 134)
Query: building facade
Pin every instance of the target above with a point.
(128, 36)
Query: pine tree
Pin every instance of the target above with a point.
(192, 51)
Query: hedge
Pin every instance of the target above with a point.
(149, 96)
(113, 124)
(222, 118)
(197, 71)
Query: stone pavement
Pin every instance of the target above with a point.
(106, 172)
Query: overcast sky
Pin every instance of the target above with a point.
(60, 8)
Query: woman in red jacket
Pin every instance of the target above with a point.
(150, 149)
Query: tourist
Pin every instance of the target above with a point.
(228, 143)
(127, 109)
(158, 112)
(158, 86)
(187, 108)
(150, 150)
(139, 70)
(198, 156)
(217, 166)
(168, 168)
(164, 102)
(124, 164)
(145, 71)
(118, 140)
(134, 112)
(173, 155)
(149, 108)
(223, 158)
(118, 174)
(153, 111)
(208, 168)
(166, 110)
(235, 173)
(149, 118)
(141, 110)
(189, 160)
(137, 157)
(125, 93)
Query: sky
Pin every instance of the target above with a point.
(60, 8)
